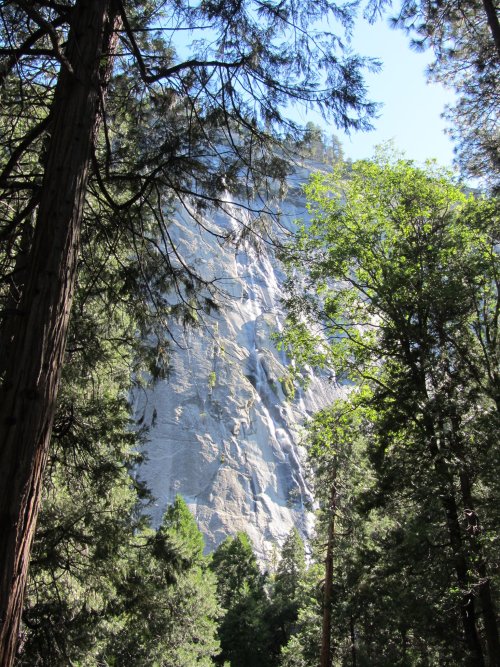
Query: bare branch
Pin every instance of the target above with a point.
(29, 138)
(49, 30)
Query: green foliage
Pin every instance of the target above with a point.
(169, 609)
(316, 145)
(243, 631)
(302, 647)
(465, 39)
(179, 536)
(169, 133)
(103, 586)
(401, 299)
(262, 613)
(237, 570)
(212, 380)
(88, 518)
(286, 591)
(135, 596)
(396, 239)
(291, 567)
(288, 387)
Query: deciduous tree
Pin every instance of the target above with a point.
(391, 253)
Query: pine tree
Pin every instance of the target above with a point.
(243, 630)
(169, 609)
(291, 567)
(465, 39)
(286, 592)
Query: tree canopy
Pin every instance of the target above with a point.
(465, 39)
(400, 296)
(117, 113)
(108, 115)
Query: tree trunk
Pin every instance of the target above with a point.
(326, 632)
(484, 586)
(33, 369)
(473, 532)
(460, 562)
(353, 641)
(493, 22)
(461, 565)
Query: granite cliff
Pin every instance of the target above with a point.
(224, 428)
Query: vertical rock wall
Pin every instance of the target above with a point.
(223, 429)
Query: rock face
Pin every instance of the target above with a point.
(224, 428)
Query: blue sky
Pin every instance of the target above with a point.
(411, 108)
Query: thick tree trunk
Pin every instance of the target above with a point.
(36, 351)
(326, 631)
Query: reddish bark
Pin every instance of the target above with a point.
(36, 344)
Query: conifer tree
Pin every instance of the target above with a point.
(291, 567)
(95, 564)
(76, 74)
(286, 592)
(169, 608)
(465, 40)
(243, 630)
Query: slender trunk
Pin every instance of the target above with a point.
(473, 531)
(457, 446)
(460, 562)
(404, 644)
(493, 23)
(326, 632)
(33, 368)
(484, 586)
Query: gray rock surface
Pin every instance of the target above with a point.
(222, 430)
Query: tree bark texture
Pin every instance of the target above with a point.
(37, 344)
(493, 22)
